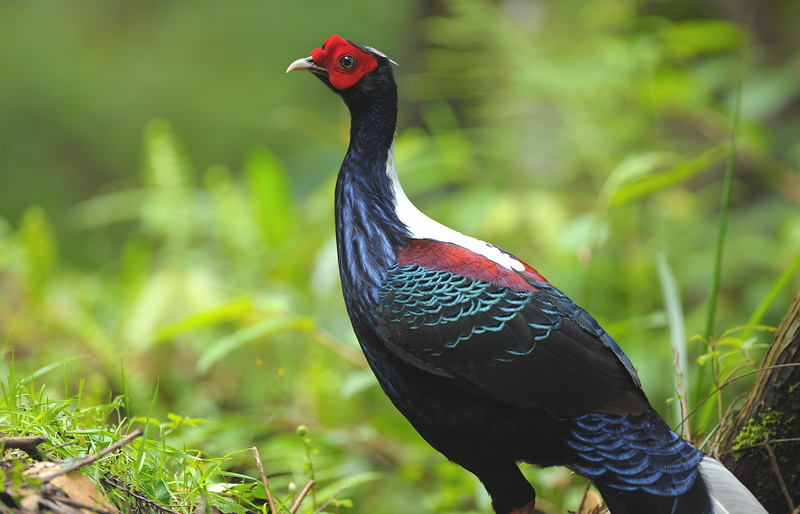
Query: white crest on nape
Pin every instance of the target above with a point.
(376, 52)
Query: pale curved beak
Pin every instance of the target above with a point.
(306, 64)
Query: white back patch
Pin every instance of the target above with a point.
(423, 227)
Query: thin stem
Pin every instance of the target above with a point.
(770, 297)
(758, 445)
(727, 186)
(270, 499)
(91, 458)
(778, 474)
(684, 402)
(728, 382)
(302, 495)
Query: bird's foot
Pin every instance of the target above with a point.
(525, 509)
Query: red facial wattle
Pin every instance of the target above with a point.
(342, 72)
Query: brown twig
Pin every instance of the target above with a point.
(138, 496)
(27, 443)
(331, 499)
(585, 492)
(337, 346)
(729, 382)
(723, 427)
(302, 495)
(62, 445)
(91, 458)
(787, 440)
(79, 505)
(778, 474)
(270, 499)
(687, 433)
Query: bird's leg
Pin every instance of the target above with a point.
(510, 491)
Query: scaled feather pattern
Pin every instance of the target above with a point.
(488, 361)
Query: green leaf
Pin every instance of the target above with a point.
(695, 37)
(107, 209)
(772, 294)
(348, 482)
(177, 421)
(649, 182)
(41, 371)
(704, 358)
(161, 492)
(140, 454)
(39, 244)
(231, 311)
(168, 210)
(734, 342)
(632, 168)
(584, 230)
(226, 345)
(677, 328)
(272, 200)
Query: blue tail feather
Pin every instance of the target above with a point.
(633, 452)
(641, 466)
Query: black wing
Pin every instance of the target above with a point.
(528, 349)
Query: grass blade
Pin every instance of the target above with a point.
(41, 371)
(143, 441)
(772, 294)
(125, 394)
(677, 327)
(727, 185)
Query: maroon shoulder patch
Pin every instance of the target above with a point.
(436, 255)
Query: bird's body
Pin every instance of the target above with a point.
(490, 363)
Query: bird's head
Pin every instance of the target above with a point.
(349, 69)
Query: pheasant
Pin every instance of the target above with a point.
(489, 362)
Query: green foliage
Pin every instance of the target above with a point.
(166, 211)
(175, 476)
(41, 251)
(587, 137)
(272, 197)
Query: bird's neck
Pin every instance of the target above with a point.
(369, 233)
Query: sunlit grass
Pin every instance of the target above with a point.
(146, 470)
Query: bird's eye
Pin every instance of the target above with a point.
(347, 62)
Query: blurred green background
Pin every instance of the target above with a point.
(166, 203)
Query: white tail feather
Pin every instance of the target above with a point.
(728, 495)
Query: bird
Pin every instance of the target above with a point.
(486, 359)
